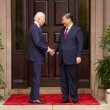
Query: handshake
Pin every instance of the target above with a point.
(51, 51)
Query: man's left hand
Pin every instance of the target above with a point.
(78, 60)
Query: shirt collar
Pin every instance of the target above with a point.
(36, 23)
(69, 26)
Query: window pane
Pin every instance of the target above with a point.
(20, 24)
(83, 21)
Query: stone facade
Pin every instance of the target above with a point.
(5, 30)
(100, 19)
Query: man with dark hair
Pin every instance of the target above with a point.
(70, 46)
(68, 15)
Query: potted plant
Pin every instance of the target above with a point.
(2, 82)
(103, 65)
(103, 71)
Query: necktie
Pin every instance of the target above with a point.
(65, 33)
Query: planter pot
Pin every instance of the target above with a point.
(107, 96)
(101, 93)
(3, 86)
(2, 91)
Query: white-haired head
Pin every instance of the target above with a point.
(38, 15)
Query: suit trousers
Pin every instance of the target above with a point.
(34, 93)
(68, 80)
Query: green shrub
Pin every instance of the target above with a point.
(105, 40)
(103, 71)
(103, 66)
(2, 82)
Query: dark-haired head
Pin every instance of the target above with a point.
(69, 15)
(67, 19)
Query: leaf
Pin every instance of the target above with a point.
(105, 40)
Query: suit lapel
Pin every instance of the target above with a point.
(37, 26)
(62, 34)
(70, 31)
(40, 30)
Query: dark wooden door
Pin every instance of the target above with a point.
(54, 9)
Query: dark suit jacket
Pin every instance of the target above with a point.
(71, 47)
(36, 45)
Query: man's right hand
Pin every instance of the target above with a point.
(51, 51)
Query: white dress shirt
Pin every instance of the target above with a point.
(36, 23)
(69, 27)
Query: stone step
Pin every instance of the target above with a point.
(49, 90)
(56, 107)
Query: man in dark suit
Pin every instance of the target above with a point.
(36, 51)
(69, 47)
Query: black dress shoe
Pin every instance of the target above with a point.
(65, 101)
(36, 101)
(76, 102)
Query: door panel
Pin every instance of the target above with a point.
(19, 63)
(83, 20)
(54, 9)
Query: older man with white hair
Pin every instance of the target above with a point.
(35, 54)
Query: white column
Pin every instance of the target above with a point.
(106, 13)
(96, 33)
(106, 18)
(5, 30)
(9, 44)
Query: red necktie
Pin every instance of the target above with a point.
(65, 33)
